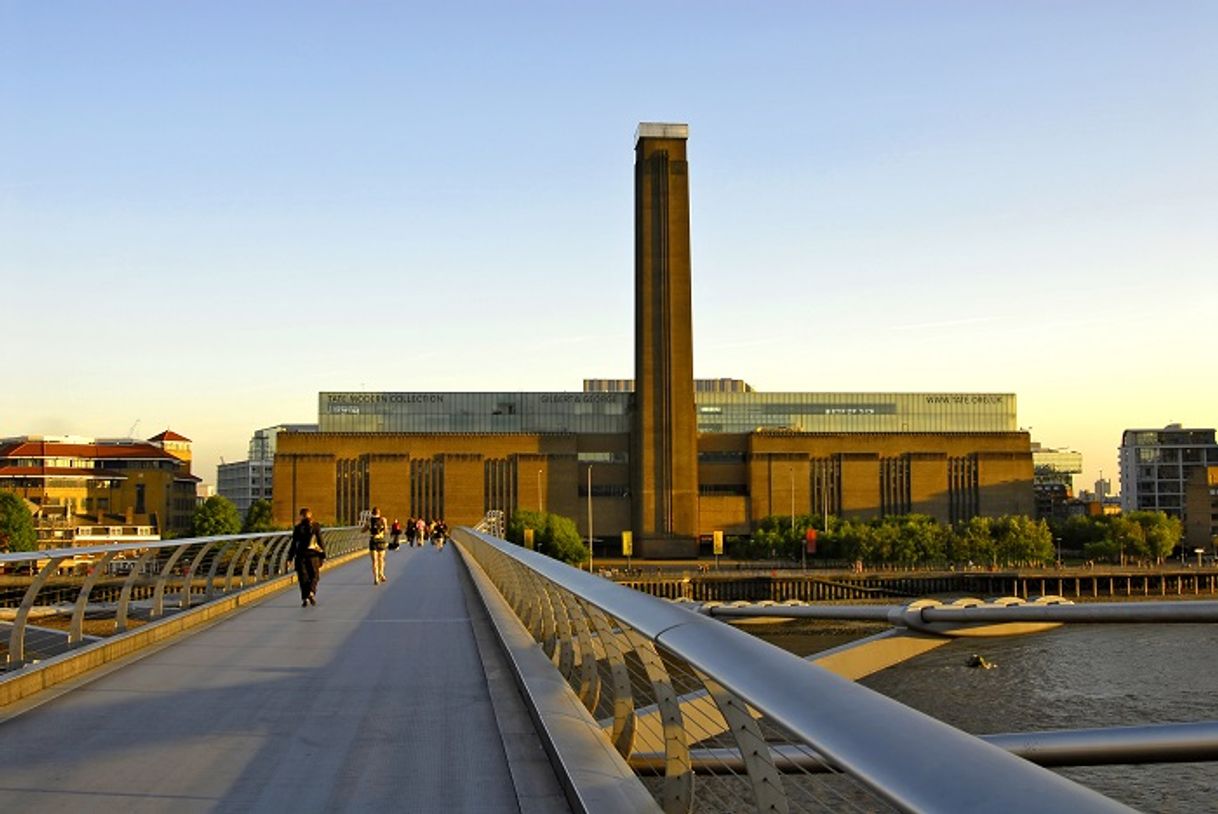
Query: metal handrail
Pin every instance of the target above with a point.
(917, 615)
(930, 766)
(154, 565)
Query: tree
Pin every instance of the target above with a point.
(770, 539)
(258, 517)
(524, 519)
(1127, 536)
(553, 535)
(928, 538)
(1020, 539)
(1160, 532)
(562, 541)
(216, 516)
(972, 542)
(1077, 531)
(1102, 550)
(16, 524)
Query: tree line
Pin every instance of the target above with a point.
(218, 515)
(1142, 536)
(908, 540)
(1009, 540)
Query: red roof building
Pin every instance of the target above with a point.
(83, 482)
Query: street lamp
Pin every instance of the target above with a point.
(589, 518)
(803, 549)
(791, 472)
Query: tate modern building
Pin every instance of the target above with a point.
(667, 457)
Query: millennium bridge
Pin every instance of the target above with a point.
(185, 676)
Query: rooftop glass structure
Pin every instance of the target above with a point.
(718, 412)
(475, 412)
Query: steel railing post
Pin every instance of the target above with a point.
(76, 626)
(158, 594)
(16, 638)
(280, 557)
(231, 572)
(215, 568)
(589, 671)
(124, 599)
(190, 573)
(565, 637)
(623, 692)
(764, 777)
(677, 793)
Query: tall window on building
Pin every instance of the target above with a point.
(427, 488)
(826, 476)
(139, 498)
(351, 489)
(498, 486)
(894, 486)
(964, 497)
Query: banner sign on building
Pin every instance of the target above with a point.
(627, 544)
(718, 543)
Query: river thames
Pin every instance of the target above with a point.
(1077, 676)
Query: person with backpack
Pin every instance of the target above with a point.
(375, 526)
(308, 552)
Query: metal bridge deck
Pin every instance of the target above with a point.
(380, 698)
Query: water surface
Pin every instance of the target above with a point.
(1075, 676)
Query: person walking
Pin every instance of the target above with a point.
(420, 528)
(411, 531)
(375, 526)
(395, 533)
(308, 552)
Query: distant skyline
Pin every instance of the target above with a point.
(211, 212)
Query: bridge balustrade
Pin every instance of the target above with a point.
(55, 601)
(714, 719)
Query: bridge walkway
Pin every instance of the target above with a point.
(389, 697)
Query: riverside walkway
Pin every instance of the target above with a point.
(390, 697)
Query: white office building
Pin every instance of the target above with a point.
(1156, 466)
(243, 482)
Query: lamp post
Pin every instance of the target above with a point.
(589, 518)
(825, 492)
(803, 549)
(791, 472)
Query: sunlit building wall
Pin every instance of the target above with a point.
(1166, 470)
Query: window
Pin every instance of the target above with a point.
(605, 490)
(602, 457)
(721, 457)
(729, 489)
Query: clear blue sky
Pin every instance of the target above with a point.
(210, 211)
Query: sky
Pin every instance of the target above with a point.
(211, 211)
